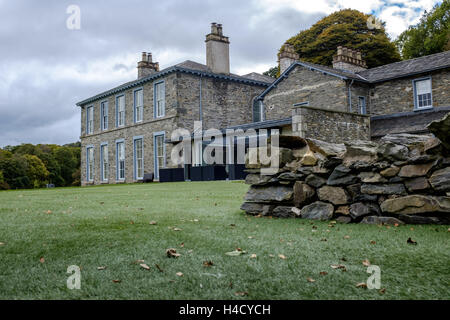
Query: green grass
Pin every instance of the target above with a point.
(109, 226)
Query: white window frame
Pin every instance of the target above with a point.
(138, 105)
(104, 115)
(416, 95)
(120, 163)
(159, 107)
(362, 107)
(120, 112)
(89, 119)
(104, 161)
(90, 163)
(156, 155)
(138, 161)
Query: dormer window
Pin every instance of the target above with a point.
(422, 94)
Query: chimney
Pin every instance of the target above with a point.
(348, 60)
(217, 50)
(146, 66)
(287, 56)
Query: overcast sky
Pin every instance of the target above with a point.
(45, 68)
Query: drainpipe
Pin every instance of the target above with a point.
(200, 111)
(350, 95)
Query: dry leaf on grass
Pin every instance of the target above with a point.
(41, 260)
(366, 262)
(117, 281)
(241, 293)
(180, 274)
(2, 243)
(159, 268)
(310, 279)
(235, 253)
(346, 237)
(144, 266)
(339, 266)
(177, 229)
(373, 242)
(411, 241)
(101, 268)
(323, 273)
(153, 223)
(172, 253)
(382, 290)
(208, 263)
(361, 285)
(49, 211)
(282, 256)
(253, 256)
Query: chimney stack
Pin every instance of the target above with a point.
(217, 50)
(287, 56)
(146, 66)
(348, 60)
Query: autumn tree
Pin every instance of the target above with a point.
(430, 35)
(349, 28)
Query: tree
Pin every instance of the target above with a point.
(36, 171)
(272, 72)
(430, 35)
(348, 28)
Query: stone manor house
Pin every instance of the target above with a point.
(125, 131)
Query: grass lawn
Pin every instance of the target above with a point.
(109, 226)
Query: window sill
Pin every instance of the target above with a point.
(422, 109)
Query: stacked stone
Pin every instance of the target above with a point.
(402, 178)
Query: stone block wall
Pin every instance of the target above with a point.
(403, 178)
(329, 125)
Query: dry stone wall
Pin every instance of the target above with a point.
(402, 178)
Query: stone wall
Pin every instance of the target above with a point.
(304, 85)
(398, 95)
(402, 179)
(329, 125)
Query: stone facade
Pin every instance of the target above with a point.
(329, 125)
(223, 103)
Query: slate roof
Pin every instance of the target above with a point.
(405, 122)
(188, 66)
(408, 67)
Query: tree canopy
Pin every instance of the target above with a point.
(430, 35)
(349, 28)
(33, 166)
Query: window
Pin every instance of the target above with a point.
(362, 105)
(90, 163)
(160, 96)
(258, 110)
(90, 120)
(138, 105)
(104, 162)
(104, 115)
(422, 92)
(138, 158)
(120, 160)
(160, 157)
(120, 111)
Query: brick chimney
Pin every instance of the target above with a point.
(146, 66)
(217, 50)
(348, 60)
(287, 56)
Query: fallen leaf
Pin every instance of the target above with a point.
(235, 253)
(153, 223)
(346, 237)
(49, 211)
(182, 245)
(271, 255)
(117, 281)
(159, 268)
(208, 263)
(138, 261)
(180, 274)
(253, 256)
(361, 285)
(144, 266)
(250, 237)
(177, 229)
(382, 291)
(131, 222)
(172, 253)
(373, 242)
(101, 268)
(241, 293)
(282, 256)
(411, 241)
(310, 279)
(323, 239)
(41, 260)
(2, 243)
(339, 266)
(232, 225)
(396, 225)
(323, 273)
(366, 262)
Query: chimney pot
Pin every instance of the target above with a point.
(217, 50)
